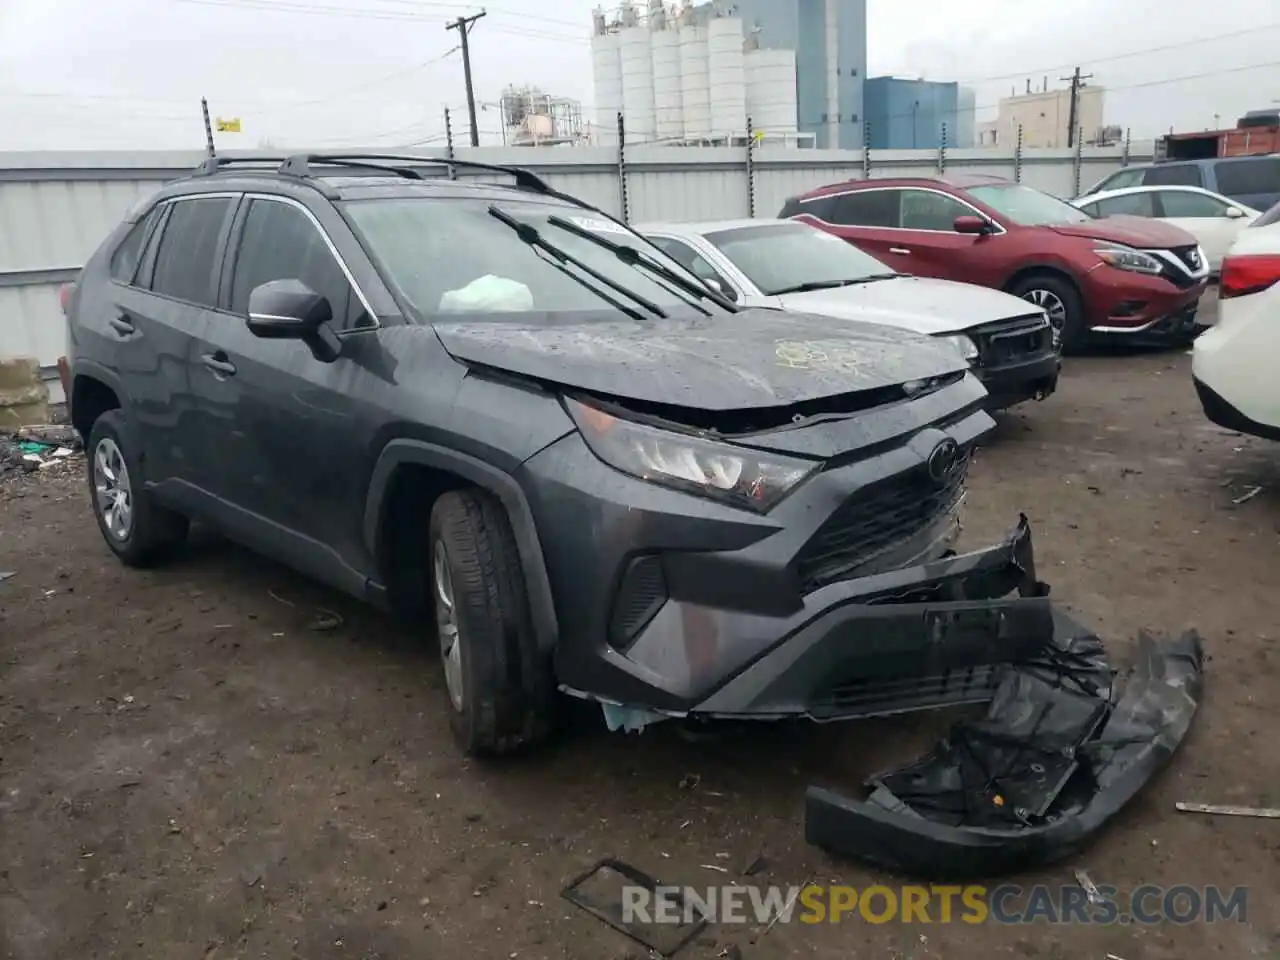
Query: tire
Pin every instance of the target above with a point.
(1050, 290)
(499, 687)
(138, 530)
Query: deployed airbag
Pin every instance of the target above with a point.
(488, 294)
(1063, 746)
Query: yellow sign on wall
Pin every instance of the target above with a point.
(230, 125)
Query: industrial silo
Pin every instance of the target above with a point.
(606, 73)
(771, 90)
(728, 81)
(637, 83)
(668, 118)
(695, 83)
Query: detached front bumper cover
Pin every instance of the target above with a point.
(1062, 749)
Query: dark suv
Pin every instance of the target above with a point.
(499, 408)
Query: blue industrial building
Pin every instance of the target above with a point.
(830, 41)
(909, 114)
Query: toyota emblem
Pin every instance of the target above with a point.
(942, 461)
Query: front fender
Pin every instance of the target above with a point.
(499, 483)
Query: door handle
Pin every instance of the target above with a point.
(122, 325)
(219, 364)
(899, 250)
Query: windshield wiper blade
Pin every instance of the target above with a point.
(634, 258)
(832, 284)
(530, 235)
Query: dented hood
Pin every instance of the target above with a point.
(755, 358)
(1141, 232)
(920, 304)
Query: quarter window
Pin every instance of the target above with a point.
(279, 242)
(124, 262)
(186, 260)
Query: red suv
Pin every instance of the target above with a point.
(1119, 275)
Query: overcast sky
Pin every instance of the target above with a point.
(118, 74)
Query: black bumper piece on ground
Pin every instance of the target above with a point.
(1062, 749)
(1218, 410)
(922, 637)
(1015, 382)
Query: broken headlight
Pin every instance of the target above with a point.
(732, 475)
(968, 349)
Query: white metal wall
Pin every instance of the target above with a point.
(55, 208)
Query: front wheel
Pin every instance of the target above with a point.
(499, 685)
(1060, 300)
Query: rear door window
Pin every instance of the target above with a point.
(186, 260)
(1131, 204)
(1243, 177)
(867, 208)
(1173, 175)
(279, 242)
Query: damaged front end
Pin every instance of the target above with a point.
(1062, 748)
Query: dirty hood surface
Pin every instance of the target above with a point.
(919, 304)
(756, 358)
(1131, 231)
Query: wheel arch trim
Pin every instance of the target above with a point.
(498, 482)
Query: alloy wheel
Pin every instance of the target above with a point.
(112, 490)
(1051, 304)
(447, 625)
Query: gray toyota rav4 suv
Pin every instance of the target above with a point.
(499, 410)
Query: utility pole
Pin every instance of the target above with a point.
(463, 26)
(1077, 81)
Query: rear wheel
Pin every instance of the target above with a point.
(498, 684)
(1059, 298)
(137, 529)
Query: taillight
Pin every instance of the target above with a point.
(1248, 273)
(64, 296)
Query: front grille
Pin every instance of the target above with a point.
(1180, 276)
(1012, 341)
(1189, 256)
(875, 518)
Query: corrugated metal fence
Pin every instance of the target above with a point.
(55, 208)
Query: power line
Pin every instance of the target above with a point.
(1112, 58)
(274, 104)
(328, 10)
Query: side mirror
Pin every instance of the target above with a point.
(290, 310)
(971, 225)
(1234, 213)
(287, 310)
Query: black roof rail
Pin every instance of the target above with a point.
(211, 165)
(300, 166)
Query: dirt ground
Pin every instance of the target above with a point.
(190, 766)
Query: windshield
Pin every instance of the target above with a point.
(786, 256)
(452, 256)
(1027, 207)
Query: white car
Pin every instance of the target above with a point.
(1234, 362)
(1214, 220)
(790, 265)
